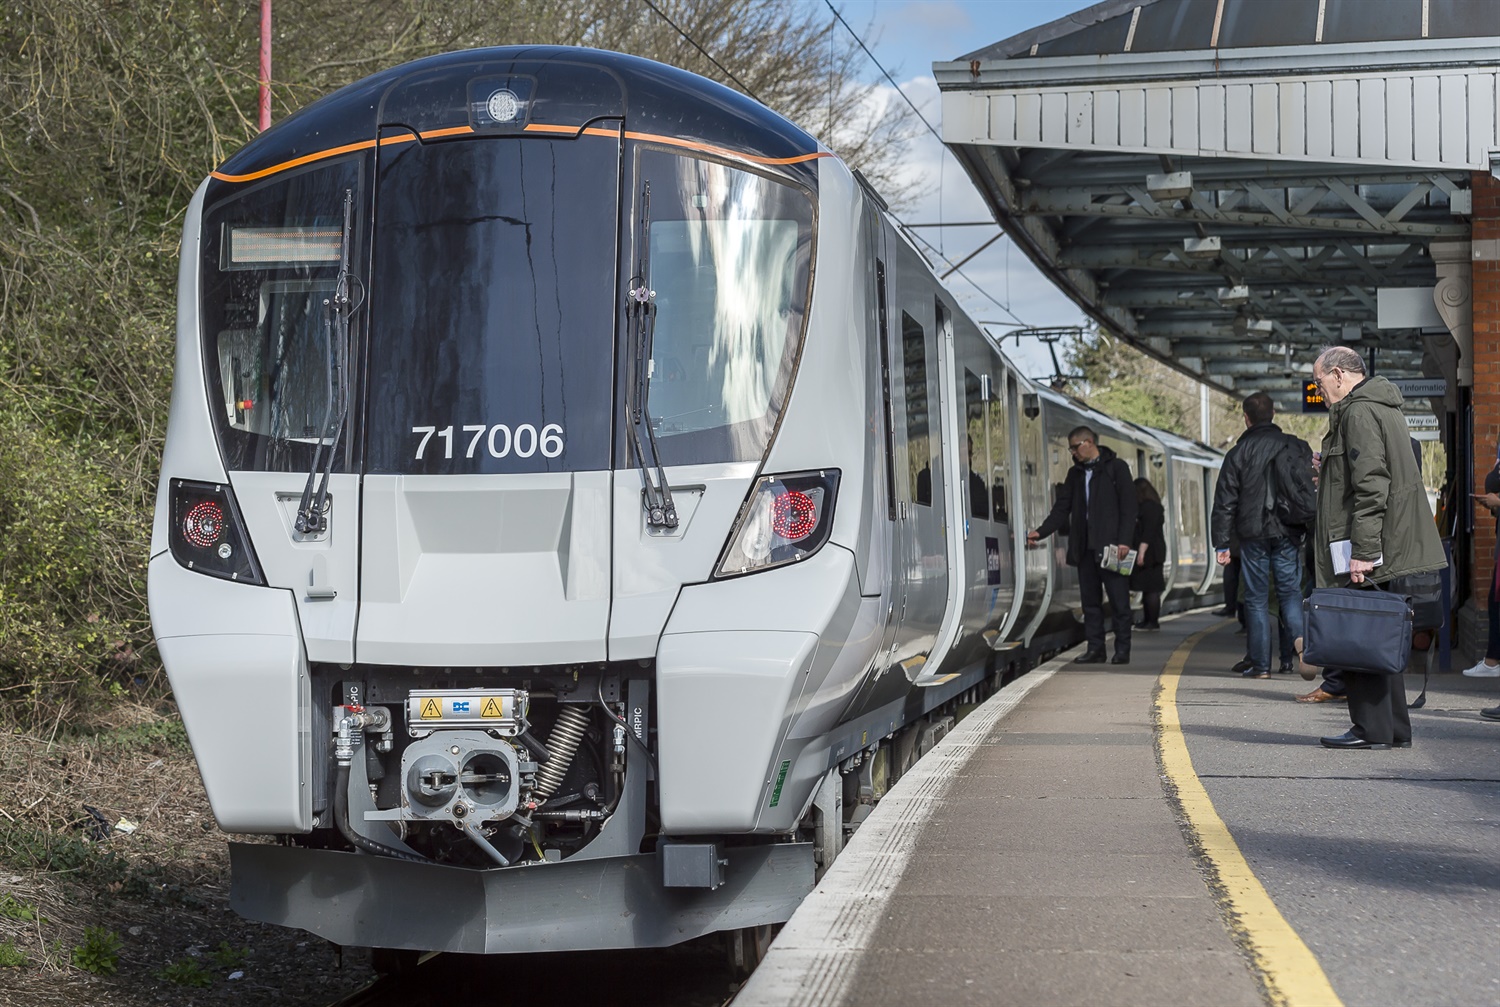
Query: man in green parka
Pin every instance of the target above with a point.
(1370, 492)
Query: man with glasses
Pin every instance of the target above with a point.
(1255, 484)
(1370, 493)
(1096, 509)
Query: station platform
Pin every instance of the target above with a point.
(1167, 832)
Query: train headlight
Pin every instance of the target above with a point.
(787, 518)
(207, 534)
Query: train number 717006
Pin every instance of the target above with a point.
(500, 440)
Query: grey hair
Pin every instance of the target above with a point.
(1341, 357)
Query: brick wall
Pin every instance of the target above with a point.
(1486, 374)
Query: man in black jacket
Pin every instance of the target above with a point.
(1096, 509)
(1270, 551)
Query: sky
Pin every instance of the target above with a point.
(907, 36)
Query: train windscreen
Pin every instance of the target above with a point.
(273, 345)
(730, 262)
(493, 304)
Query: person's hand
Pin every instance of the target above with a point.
(1222, 556)
(1358, 568)
(1124, 550)
(1032, 538)
(1490, 500)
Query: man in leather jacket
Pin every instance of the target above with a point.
(1096, 509)
(1270, 551)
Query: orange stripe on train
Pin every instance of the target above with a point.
(433, 134)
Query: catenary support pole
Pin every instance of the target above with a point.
(265, 64)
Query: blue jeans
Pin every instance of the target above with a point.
(1262, 562)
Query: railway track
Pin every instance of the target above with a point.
(694, 974)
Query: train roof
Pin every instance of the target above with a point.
(561, 90)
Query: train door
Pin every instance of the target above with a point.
(926, 530)
(988, 580)
(486, 533)
(894, 493)
(1210, 487)
(1031, 500)
(1001, 566)
(1192, 529)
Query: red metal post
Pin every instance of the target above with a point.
(265, 64)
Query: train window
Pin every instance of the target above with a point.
(493, 306)
(976, 446)
(731, 261)
(272, 346)
(999, 438)
(918, 443)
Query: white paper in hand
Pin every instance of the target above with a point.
(1341, 552)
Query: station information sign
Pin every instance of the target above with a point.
(1312, 398)
(1418, 388)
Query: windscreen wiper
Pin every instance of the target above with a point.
(656, 497)
(311, 517)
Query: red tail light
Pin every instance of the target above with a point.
(208, 535)
(794, 515)
(204, 524)
(786, 519)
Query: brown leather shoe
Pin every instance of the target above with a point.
(1307, 671)
(1319, 696)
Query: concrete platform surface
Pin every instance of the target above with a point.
(1036, 857)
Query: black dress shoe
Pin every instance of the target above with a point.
(1090, 657)
(1490, 713)
(1401, 744)
(1120, 659)
(1240, 667)
(1350, 740)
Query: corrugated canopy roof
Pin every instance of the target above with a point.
(1232, 209)
(1182, 25)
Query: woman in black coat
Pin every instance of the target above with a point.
(1151, 556)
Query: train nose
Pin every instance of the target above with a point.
(485, 570)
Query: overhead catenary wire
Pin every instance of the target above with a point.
(965, 277)
(953, 268)
(694, 43)
(861, 43)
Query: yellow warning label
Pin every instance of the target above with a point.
(432, 709)
(492, 708)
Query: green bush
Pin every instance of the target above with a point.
(11, 957)
(13, 908)
(99, 953)
(186, 972)
(227, 956)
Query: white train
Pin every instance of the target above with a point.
(579, 501)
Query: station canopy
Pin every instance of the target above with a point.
(1231, 185)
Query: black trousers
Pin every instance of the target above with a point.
(1377, 706)
(1093, 583)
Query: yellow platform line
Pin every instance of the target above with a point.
(1289, 970)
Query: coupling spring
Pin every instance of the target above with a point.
(567, 735)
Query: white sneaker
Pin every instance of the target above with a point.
(1482, 670)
